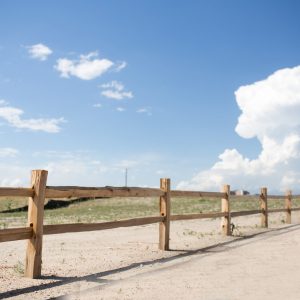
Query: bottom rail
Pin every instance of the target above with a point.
(79, 227)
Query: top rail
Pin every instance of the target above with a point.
(74, 191)
(16, 192)
(200, 194)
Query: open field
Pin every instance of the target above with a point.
(109, 209)
(125, 263)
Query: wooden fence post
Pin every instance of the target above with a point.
(33, 262)
(288, 207)
(165, 211)
(264, 207)
(225, 204)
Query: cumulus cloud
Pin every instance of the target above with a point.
(14, 118)
(270, 111)
(39, 51)
(87, 67)
(115, 90)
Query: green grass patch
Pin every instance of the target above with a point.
(109, 209)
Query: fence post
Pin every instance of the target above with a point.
(288, 207)
(225, 204)
(33, 262)
(165, 210)
(264, 207)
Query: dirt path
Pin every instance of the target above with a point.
(125, 263)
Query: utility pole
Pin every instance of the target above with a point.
(126, 171)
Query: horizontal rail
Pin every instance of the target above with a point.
(69, 192)
(245, 213)
(197, 216)
(276, 197)
(79, 227)
(16, 192)
(295, 209)
(274, 210)
(15, 234)
(176, 193)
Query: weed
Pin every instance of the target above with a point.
(19, 268)
(8, 205)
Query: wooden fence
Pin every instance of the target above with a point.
(39, 191)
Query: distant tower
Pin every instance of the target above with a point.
(126, 173)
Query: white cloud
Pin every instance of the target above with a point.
(87, 67)
(120, 66)
(39, 51)
(115, 90)
(270, 112)
(13, 116)
(97, 105)
(144, 110)
(8, 152)
(120, 109)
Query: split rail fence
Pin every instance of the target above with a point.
(39, 191)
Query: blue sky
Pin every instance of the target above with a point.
(148, 85)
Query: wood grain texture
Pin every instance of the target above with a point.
(80, 227)
(225, 208)
(15, 234)
(165, 211)
(264, 207)
(276, 210)
(197, 216)
(197, 194)
(288, 207)
(245, 213)
(33, 262)
(73, 191)
(16, 192)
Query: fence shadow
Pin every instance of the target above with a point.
(99, 276)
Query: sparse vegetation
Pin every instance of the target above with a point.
(19, 268)
(108, 209)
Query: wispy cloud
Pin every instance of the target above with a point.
(13, 116)
(39, 51)
(87, 67)
(120, 66)
(120, 109)
(270, 112)
(145, 110)
(97, 105)
(115, 90)
(8, 152)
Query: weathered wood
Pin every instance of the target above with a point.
(276, 210)
(15, 234)
(70, 192)
(16, 192)
(80, 227)
(288, 206)
(35, 221)
(295, 209)
(276, 197)
(264, 207)
(245, 213)
(197, 216)
(165, 211)
(225, 205)
(198, 194)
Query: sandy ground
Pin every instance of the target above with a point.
(125, 263)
